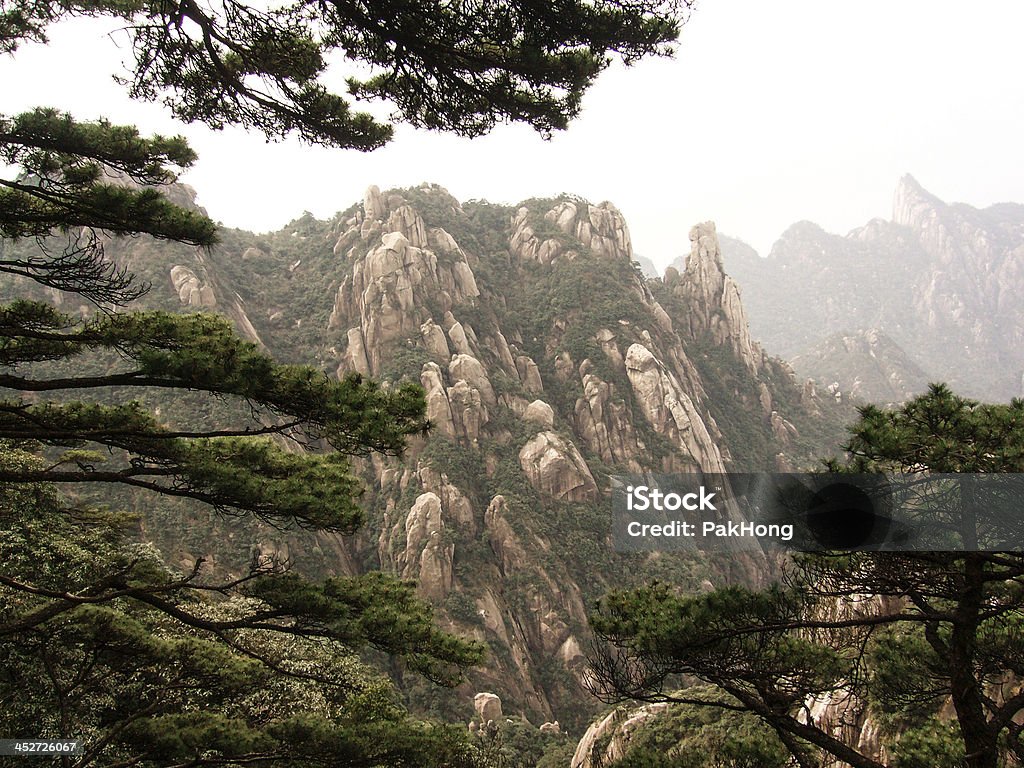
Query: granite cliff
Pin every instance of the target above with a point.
(549, 361)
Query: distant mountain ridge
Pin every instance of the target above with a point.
(945, 282)
(866, 365)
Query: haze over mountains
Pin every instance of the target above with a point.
(550, 362)
(936, 293)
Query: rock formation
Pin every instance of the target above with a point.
(868, 365)
(670, 410)
(942, 281)
(487, 706)
(556, 469)
(547, 363)
(190, 289)
(608, 739)
(717, 312)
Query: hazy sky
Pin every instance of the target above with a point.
(771, 112)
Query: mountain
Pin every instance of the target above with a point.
(943, 281)
(549, 363)
(866, 365)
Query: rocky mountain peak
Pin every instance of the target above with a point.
(599, 228)
(865, 364)
(943, 280)
(547, 362)
(714, 298)
(705, 263)
(912, 203)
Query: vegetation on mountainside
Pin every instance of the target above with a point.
(149, 666)
(928, 644)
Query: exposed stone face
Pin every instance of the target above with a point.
(783, 430)
(527, 246)
(434, 340)
(427, 557)
(460, 342)
(487, 706)
(614, 733)
(405, 220)
(549, 604)
(235, 309)
(469, 410)
(604, 231)
(457, 508)
(529, 374)
(604, 423)
(713, 298)
(191, 290)
(600, 228)
(556, 468)
(439, 410)
(499, 346)
(610, 347)
(355, 355)
(540, 413)
(669, 409)
(392, 288)
(464, 367)
(503, 540)
(373, 204)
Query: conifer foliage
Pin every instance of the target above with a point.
(99, 639)
(928, 645)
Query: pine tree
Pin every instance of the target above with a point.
(930, 644)
(100, 641)
(156, 668)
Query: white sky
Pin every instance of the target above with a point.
(771, 112)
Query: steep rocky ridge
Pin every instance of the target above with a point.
(943, 281)
(866, 365)
(548, 363)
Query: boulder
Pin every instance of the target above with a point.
(556, 469)
(540, 413)
(487, 706)
(464, 367)
(190, 289)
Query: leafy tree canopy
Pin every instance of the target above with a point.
(929, 644)
(232, 469)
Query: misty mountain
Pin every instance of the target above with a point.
(866, 365)
(943, 281)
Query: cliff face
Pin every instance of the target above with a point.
(548, 361)
(944, 281)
